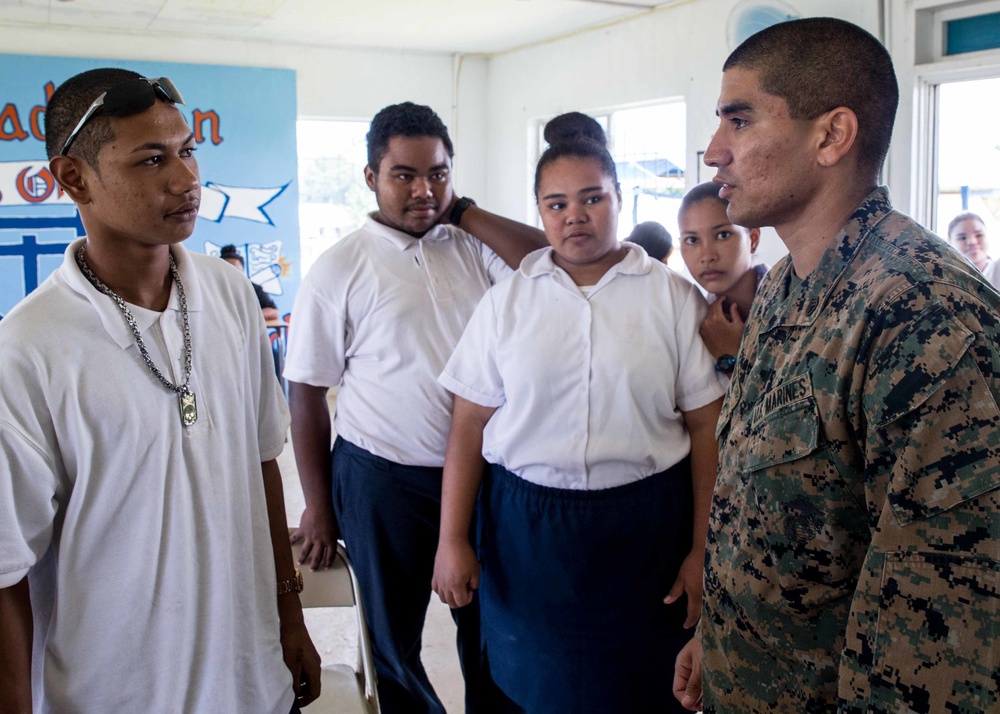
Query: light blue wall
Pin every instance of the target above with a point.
(248, 169)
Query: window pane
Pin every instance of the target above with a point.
(969, 154)
(647, 144)
(333, 197)
(971, 34)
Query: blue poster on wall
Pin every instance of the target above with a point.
(243, 119)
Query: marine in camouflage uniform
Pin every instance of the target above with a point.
(854, 546)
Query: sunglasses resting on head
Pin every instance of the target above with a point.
(128, 98)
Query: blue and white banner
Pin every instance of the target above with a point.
(243, 119)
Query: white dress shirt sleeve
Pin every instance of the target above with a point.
(28, 504)
(495, 267)
(317, 337)
(272, 412)
(471, 372)
(699, 383)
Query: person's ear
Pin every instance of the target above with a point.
(370, 177)
(839, 133)
(73, 176)
(618, 192)
(754, 239)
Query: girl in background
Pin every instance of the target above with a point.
(967, 233)
(719, 256)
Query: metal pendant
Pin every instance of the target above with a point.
(189, 408)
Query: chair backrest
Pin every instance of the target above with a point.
(326, 588)
(337, 586)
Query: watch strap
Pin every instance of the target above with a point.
(725, 364)
(455, 217)
(291, 585)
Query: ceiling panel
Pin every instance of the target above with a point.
(467, 26)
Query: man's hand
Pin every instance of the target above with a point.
(687, 676)
(456, 573)
(722, 328)
(690, 579)
(302, 661)
(319, 533)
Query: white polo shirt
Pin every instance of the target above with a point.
(146, 543)
(380, 312)
(992, 272)
(589, 390)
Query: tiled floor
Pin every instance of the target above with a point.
(333, 631)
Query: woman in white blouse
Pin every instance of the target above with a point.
(967, 233)
(583, 382)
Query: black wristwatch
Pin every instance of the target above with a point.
(455, 217)
(725, 364)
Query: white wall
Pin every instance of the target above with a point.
(331, 82)
(673, 52)
(490, 105)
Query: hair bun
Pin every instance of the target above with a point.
(573, 126)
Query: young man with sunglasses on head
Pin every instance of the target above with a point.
(379, 315)
(144, 558)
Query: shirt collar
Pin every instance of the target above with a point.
(540, 262)
(804, 304)
(111, 317)
(403, 240)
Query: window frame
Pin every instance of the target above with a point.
(606, 117)
(915, 30)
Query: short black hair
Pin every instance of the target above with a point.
(406, 119)
(701, 192)
(227, 252)
(68, 105)
(964, 216)
(654, 239)
(819, 63)
(576, 135)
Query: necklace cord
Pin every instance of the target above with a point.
(182, 389)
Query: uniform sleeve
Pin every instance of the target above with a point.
(472, 372)
(495, 267)
(698, 382)
(272, 414)
(29, 499)
(318, 334)
(923, 634)
(992, 273)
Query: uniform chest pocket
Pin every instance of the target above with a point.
(811, 526)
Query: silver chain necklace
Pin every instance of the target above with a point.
(188, 405)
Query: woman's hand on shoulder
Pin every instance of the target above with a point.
(722, 328)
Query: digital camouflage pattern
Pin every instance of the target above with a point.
(854, 545)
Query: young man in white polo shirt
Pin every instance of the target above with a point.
(144, 558)
(379, 315)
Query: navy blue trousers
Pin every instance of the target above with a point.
(390, 515)
(571, 589)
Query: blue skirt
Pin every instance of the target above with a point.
(572, 590)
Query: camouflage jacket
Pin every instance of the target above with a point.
(854, 545)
